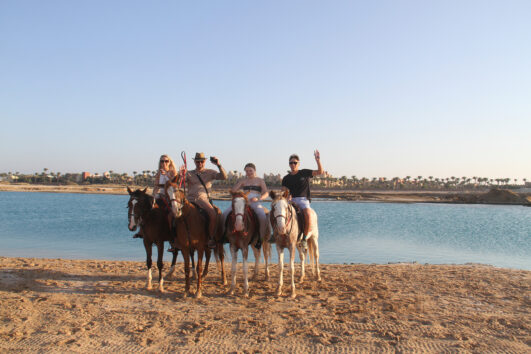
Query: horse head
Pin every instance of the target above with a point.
(239, 203)
(281, 213)
(138, 202)
(176, 196)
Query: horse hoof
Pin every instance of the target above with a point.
(198, 295)
(278, 293)
(246, 295)
(293, 295)
(149, 288)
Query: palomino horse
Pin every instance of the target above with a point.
(156, 229)
(286, 230)
(243, 229)
(191, 234)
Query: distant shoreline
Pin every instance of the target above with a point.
(494, 196)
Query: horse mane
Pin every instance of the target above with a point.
(144, 199)
(239, 194)
(278, 195)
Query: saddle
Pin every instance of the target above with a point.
(300, 219)
(205, 217)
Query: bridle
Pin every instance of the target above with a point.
(243, 215)
(132, 213)
(289, 218)
(171, 197)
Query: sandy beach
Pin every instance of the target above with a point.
(55, 305)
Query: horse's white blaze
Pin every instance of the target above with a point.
(176, 207)
(132, 221)
(238, 210)
(280, 215)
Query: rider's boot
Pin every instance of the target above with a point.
(139, 234)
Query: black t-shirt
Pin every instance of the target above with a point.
(299, 183)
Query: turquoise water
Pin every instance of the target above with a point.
(84, 226)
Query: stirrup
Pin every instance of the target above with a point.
(138, 235)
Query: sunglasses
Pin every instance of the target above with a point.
(293, 162)
(164, 161)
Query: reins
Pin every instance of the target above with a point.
(288, 218)
(243, 215)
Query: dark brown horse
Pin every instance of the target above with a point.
(243, 230)
(191, 234)
(155, 226)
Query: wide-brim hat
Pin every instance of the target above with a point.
(199, 156)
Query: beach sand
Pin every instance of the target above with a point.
(58, 305)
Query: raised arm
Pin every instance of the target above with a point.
(222, 174)
(319, 170)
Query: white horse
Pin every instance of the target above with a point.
(242, 226)
(286, 229)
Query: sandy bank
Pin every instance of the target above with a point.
(87, 306)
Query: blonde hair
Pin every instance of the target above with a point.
(171, 165)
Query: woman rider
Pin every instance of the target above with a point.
(166, 172)
(297, 182)
(257, 192)
(199, 182)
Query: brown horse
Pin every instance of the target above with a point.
(155, 226)
(243, 230)
(191, 234)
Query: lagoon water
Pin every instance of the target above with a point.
(84, 226)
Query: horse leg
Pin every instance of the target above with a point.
(292, 266)
(193, 264)
(186, 256)
(173, 262)
(160, 264)
(302, 257)
(245, 254)
(316, 257)
(280, 252)
(267, 254)
(147, 246)
(234, 255)
(208, 253)
(199, 273)
(256, 253)
(220, 252)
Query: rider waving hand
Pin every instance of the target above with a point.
(297, 182)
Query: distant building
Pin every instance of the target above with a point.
(85, 175)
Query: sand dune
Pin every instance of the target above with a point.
(86, 306)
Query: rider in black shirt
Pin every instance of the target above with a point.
(297, 182)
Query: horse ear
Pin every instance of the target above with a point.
(272, 194)
(129, 190)
(285, 194)
(145, 189)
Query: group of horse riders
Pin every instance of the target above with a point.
(199, 182)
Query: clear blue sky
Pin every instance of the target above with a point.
(381, 88)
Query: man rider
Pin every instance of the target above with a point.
(297, 182)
